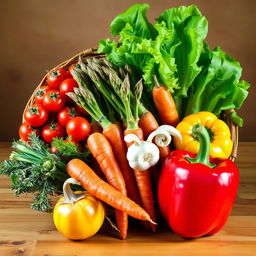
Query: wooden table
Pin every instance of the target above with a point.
(238, 237)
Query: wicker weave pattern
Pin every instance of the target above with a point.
(92, 52)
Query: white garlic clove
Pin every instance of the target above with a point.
(143, 156)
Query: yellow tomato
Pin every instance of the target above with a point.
(221, 143)
(80, 218)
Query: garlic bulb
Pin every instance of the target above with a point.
(141, 155)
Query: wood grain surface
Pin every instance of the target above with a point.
(238, 237)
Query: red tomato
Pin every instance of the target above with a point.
(35, 115)
(39, 94)
(52, 130)
(68, 85)
(54, 150)
(78, 128)
(66, 114)
(53, 101)
(25, 130)
(55, 77)
(72, 67)
(81, 110)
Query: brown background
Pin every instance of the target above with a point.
(37, 35)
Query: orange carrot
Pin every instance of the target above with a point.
(165, 104)
(143, 182)
(102, 152)
(148, 124)
(80, 171)
(115, 136)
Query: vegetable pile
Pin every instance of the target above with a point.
(105, 124)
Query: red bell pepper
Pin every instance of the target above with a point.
(196, 193)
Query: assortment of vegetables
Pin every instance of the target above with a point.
(119, 113)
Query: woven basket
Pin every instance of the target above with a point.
(92, 52)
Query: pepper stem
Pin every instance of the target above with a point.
(69, 196)
(204, 140)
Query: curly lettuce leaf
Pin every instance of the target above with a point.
(150, 56)
(136, 17)
(162, 62)
(189, 28)
(217, 87)
(173, 49)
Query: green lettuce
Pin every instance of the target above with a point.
(217, 87)
(173, 49)
(136, 17)
(144, 46)
(189, 29)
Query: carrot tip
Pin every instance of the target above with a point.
(152, 222)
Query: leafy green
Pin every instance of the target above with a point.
(174, 41)
(173, 49)
(67, 148)
(188, 28)
(143, 46)
(219, 82)
(136, 16)
(33, 169)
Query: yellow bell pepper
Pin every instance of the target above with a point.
(221, 143)
(77, 215)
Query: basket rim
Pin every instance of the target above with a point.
(92, 52)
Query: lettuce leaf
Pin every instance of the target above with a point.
(217, 87)
(136, 17)
(173, 49)
(189, 28)
(150, 56)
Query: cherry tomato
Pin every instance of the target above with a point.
(54, 150)
(25, 130)
(81, 110)
(72, 67)
(35, 115)
(53, 101)
(56, 76)
(39, 94)
(52, 130)
(78, 128)
(68, 85)
(66, 114)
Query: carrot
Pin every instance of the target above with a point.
(115, 136)
(148, 124)
(143, 182)
(102, 152)
(79, 170)
(165, 104)
(126, 104)
(88, 101)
